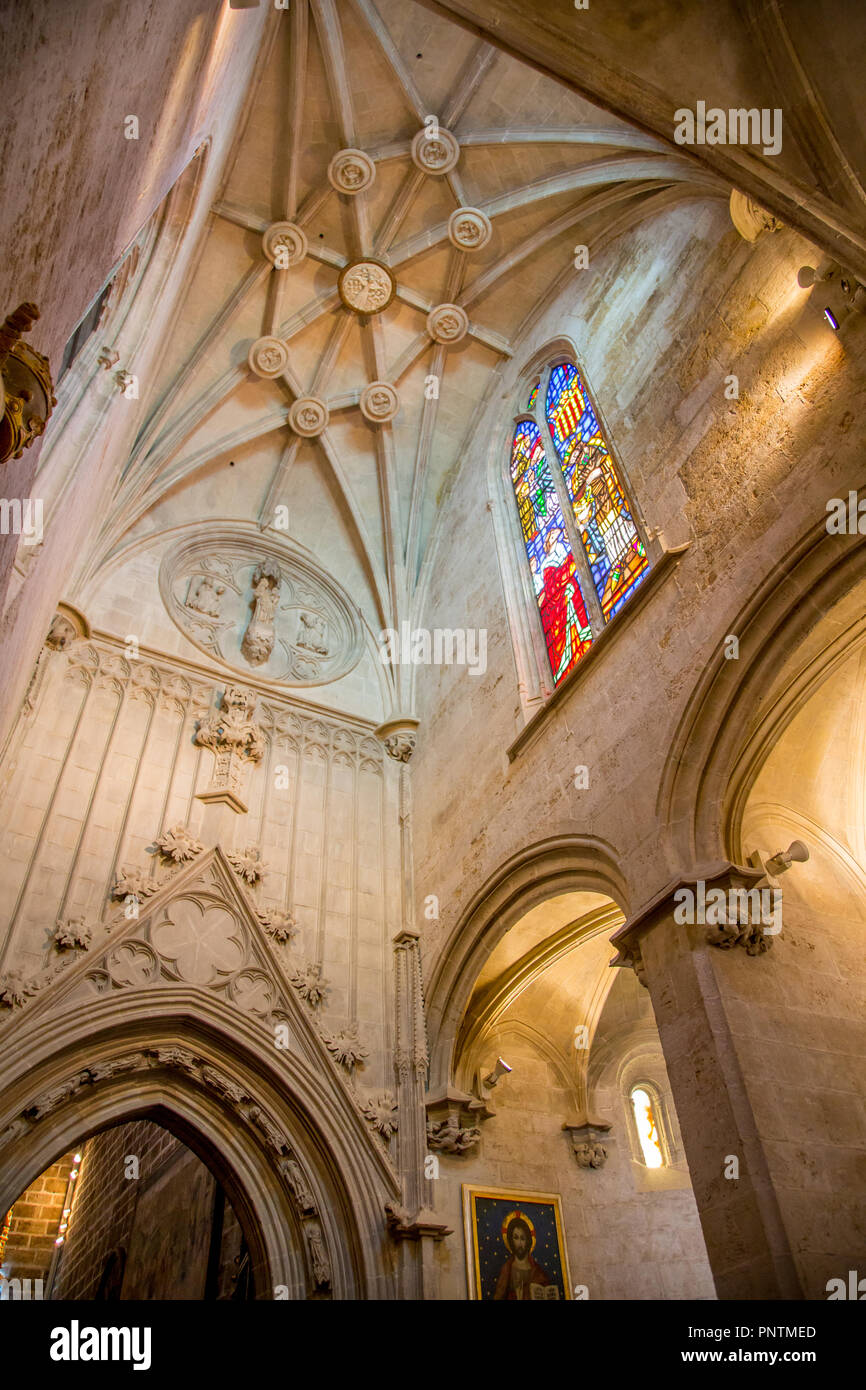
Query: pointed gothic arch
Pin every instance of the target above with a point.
(278, 1126)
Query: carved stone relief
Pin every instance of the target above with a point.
(268, 357)
(346, 1047)
(258, 640)
(379, 402)
(284, 244)
(245, 1107)
(258, 610)
(366, 286)
(447, 1136)
(447, 323)
(309, 416)
(469, 229)
(73, 934)
(380, 1109)
(435, 153)
(351, 171)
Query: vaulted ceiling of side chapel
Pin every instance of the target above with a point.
(547, 168)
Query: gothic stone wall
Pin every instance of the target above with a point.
(106, 760)
(664, 318)
(740, 480)
(630, 1232)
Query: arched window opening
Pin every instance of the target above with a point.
(646, 1123)
(586, 551)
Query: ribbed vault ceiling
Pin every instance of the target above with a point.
(547, 168)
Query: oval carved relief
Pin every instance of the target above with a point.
(260, 610)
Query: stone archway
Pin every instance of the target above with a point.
(298, 1175)
(780, 633)
(562, 864)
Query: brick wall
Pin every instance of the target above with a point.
(35, 1220)
(104, 1208)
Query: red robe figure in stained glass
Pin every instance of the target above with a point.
(563, 616)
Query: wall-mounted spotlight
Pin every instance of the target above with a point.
(501, 1069)
(843, 292)
(796, 853)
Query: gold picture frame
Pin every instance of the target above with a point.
(515, 1245)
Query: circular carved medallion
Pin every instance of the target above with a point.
(469, 229)
(221, 588)
(308, 416)
(435, 152)
(351, 171)
(284, 244)
(268, 357)
(379, 402)
(366, 286)
(447, 323)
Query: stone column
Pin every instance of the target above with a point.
(414, 1222)
(697, 996)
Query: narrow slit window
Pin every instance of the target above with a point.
(647, 1128)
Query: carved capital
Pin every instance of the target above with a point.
(399, 737)
(403, 1226)
(730, 904)
(453, 1120)
(586, 1137)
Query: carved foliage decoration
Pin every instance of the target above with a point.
(346, 1047)
(380, 1109)
(258, 609)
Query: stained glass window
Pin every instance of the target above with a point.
(647, 1131)
(533, 396)
(558, 593)
(616, 554)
